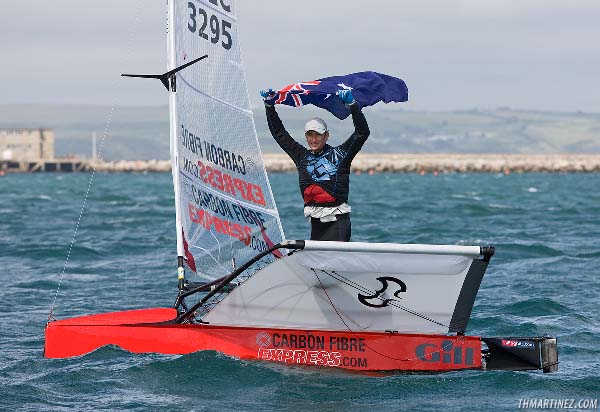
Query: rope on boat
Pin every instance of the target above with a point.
(394, 303)
(442, 348)
(99, 156)
(87, 192)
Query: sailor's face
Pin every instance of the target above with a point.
(316, 141)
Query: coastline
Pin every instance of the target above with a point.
(408, 163)
(422, 163)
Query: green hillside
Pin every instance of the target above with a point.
(142, 132)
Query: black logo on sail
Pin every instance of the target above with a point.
(375, 301)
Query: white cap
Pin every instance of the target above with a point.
(316, 124)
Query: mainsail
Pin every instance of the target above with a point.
(225, 207)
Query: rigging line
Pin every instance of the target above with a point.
(209, 305)
(218, 244)
(195, 235)
(443, 348)
(87, 192)
(215, 300)
(209, 254)
(392, 302)
(349, 282)
(342, 319)
(395, 304)
(243, 111)
(330, 301)
(98, 157)
(232, 255)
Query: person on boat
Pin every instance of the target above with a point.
(324, 171)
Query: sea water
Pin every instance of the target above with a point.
(543, 279)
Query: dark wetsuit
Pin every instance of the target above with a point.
(328, 169)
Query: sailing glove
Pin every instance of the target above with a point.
(268, 97)
(346, 96)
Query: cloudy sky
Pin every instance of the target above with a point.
(453, 54)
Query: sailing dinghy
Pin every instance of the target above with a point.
(356, 306)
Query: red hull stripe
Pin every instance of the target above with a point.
(140, 331)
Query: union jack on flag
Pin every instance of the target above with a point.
(367, 88)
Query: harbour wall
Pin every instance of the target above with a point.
(411, 163)
(363, 163)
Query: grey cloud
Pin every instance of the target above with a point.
(453, 54)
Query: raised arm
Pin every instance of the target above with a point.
(293, 149)
(361, 128)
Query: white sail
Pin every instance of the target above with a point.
(226, 211)
(360, 287)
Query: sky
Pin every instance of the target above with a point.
(453, 54)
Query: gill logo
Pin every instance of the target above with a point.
(445, 352)
(377, 297)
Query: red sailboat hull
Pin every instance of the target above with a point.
(152, 330)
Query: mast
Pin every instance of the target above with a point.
(173, 137)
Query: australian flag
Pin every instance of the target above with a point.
(367, 88)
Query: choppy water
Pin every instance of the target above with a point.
(543, 279)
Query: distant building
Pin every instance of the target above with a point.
(26, 144)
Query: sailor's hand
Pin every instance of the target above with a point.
(346, 96)
(268, 97)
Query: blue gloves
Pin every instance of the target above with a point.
(346, 96)
(268, 97)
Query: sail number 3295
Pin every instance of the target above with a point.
(209, 26)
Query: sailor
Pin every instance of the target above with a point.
(324, 171)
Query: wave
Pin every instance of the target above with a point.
(537, 307)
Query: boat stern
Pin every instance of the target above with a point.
(521, 354)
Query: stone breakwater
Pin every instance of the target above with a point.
(459, 163)
(410, 163)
